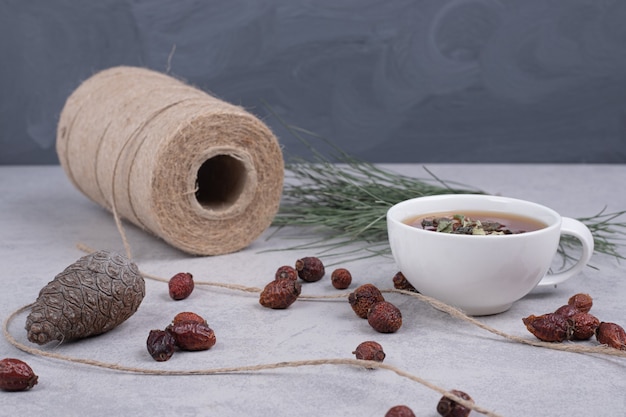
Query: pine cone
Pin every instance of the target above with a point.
(92, 296)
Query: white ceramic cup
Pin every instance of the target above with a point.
(481, 274)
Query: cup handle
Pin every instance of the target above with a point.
(577, 229)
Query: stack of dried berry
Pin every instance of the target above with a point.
(188, 331)
(285, 289)
(368, 303)
(573, 321)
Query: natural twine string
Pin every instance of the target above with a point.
(454, 312)
(238, 369)
(433, 302)
(315, 362)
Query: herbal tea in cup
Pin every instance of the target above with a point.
(480, 253)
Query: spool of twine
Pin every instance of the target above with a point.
(204, 175)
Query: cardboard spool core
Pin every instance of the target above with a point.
(220, 182)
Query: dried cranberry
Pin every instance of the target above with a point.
(181, 285)
(385, 317)
(280, 293)
(400, 411)
(549, 327)
(341, 278)
(401, 283)
(191, 335)
(584, 325)
(310, 269)
(450, 408)
(286, 272)
(583, 302)
(161, 345)
(363, 298)
(370, 351)
(16, 375)
(611, 334)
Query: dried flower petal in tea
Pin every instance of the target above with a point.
(476, 223)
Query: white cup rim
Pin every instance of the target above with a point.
(399, 213)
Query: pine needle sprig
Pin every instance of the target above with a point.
(342, 201)
(608, 233)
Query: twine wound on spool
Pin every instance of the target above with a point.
(204, 175)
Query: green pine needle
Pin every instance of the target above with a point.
(342, 202)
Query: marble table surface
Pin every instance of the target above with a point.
(43, 218)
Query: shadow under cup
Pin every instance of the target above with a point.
(478, 274)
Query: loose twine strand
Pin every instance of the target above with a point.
(454, 312)
(433, 302)
(240, 369)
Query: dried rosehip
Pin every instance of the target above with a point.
(310, 269)
(191, 335)
(363, 298)
(612, 335)
(280, 293)
(341, 278)
(401, 283)
(450, 408)
(370, 351)
(16, 375)
(286, 272)
(549, 327)
(181, 285)
(584, 325)
(582, 302)
(400, 411)
(385, 317)
(161, 345)
(188, 316)
(566, 310)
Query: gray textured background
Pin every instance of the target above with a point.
(388, 81)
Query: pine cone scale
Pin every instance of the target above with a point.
(90, 297)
